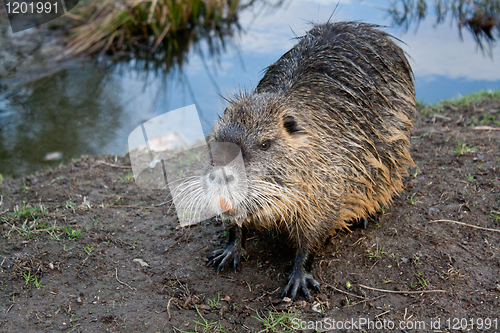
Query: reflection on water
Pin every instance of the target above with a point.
(66, 112)
(87, 108)
(480, 17)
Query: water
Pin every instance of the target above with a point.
(91, 109)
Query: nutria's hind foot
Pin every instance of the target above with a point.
(300, 280)
(301, 276)
(231, 254)
(363, 222)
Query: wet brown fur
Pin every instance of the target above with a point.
(337, 109)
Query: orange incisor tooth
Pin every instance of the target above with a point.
(226, 206)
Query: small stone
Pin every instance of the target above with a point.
(203, 307)
(316, 307)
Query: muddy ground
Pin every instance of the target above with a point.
(103, 255)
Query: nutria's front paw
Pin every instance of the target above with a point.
(231, 254)
(300, 280)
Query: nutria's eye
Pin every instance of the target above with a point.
(265, 145)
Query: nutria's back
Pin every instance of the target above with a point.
(367, 65)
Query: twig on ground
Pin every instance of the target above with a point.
(10, 307)
(365, 300)
(113, 165)
(344, 292)
(142, 207)
(265, 294)
(168, 308)
(383, 313)
(116, 275)
(486, 128)
(468, 225)
(402, 292)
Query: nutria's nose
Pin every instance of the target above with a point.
(220, 176)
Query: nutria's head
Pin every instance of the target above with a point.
(252, 166)
(267, 134)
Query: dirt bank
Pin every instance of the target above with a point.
(83, 249)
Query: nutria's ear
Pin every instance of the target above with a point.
(290, 124)
(298, 138)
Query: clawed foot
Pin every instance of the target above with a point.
(230, 255)
(372, 218)
(300, 280)
(365, 223)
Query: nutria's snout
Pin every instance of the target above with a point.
(220, 176)
(224, 179)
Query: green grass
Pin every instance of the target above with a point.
(24, 188)
(205, 325)
(72, 233)
(27, 220)
(414, 174)
(475, 97)
(30, 217)
(214, 302)
(462, 101)
(495, 215)
(411, 199)
(348, 285)
(279, 322)
(488, 118)
(421, 279)
(29, 211)
(70, 204)
(124, 179)
(416, 261)
(88, 249)
(29, 277)
(376, 253)
(463, 148)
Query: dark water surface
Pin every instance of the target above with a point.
(90, 108)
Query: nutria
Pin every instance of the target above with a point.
(324, 139)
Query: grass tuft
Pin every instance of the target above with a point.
(276, 321)
(460, 101)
